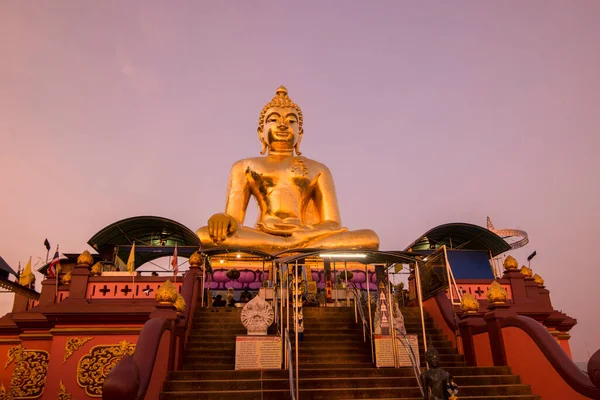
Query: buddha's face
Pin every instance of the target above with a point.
(281, 130)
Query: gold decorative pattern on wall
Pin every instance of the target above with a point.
(5, 394)
(29, 376)
(62, 392)
(73, 344)
(93, 368)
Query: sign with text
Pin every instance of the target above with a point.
(384, 352)
(258, 352)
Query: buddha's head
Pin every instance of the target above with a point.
(280, 124)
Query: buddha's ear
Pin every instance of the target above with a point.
(297, 145)
(262, 141)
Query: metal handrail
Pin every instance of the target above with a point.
(288, 346)
(413, 359)
(358, 304)
(277, 312)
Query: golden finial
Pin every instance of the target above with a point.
(97, 269)
(526, 271)
(510, 264)
(469, 304)
(282, 100)
(85, 258)
(166, 293)
(196, 260)
(179, 304)
(538, 279)
(496, 294)
(66, 278)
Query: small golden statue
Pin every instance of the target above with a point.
(295, 195)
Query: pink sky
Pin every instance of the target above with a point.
(426, 113)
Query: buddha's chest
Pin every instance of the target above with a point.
(290, 176)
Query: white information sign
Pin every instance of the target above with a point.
(384, 352)
(258, 352)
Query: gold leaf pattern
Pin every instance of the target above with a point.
(94, 367)
(5, 394)
(29, 376)
(62, 392)
(73, 344)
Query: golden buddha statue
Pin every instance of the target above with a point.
(296, 195)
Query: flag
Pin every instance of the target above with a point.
(174, 262)
(531, 255)
(47, 244)
(26, 278)
(131, 260)
(54, 265)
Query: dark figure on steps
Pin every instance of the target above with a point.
(437, 383)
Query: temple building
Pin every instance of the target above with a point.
(297, 306)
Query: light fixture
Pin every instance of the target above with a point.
(221, 261)
(238, 255)
(343, 255)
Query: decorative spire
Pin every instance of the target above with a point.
(538, 279)
(85, 258)
(496, 294)
(166, 293)
(526, 271)
(510, 264)
(469, 304)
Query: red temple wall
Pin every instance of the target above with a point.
(483, 351)
(527, 360)
(432, 308)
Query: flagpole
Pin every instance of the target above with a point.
(56, 276)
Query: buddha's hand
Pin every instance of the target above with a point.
(220, 226)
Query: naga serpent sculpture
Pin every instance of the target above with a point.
(509, 234)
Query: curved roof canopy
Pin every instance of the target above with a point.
(154, 237)
(461, 236)
(145, 231)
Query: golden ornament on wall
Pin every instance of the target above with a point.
(180, 304)
(62, 392)
(96, 269)
(526, 271)
(195, 260)
(496, 294)
(85, 258)
(94, 367)
(510, 264)
(5, 394)
(166, 293)
(29, 376)
(469, 304)
(538, 279)
(66, 278)
(73, 344)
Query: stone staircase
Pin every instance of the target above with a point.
(334, 363)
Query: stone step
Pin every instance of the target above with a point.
(329, 382)
(503, 392)
(457, 372)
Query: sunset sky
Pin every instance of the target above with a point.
(426, 113)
